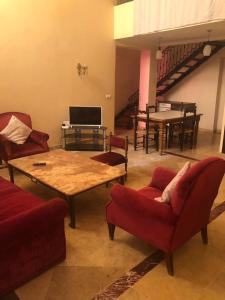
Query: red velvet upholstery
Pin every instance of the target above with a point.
(168, 226)
(36, 142)
(32, 235)
(110, 158)
(116, 141)
(114, 158)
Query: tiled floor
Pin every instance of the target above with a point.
(93, 262)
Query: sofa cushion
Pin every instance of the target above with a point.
(150, 192)
(169, 190)
(16, 131)
(110, 158)
(13, 200)
(29, 148)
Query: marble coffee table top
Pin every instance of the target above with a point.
(67, 172)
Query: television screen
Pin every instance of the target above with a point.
(85, 115)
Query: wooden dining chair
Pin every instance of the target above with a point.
(185, 129)
(152, 130)
(145, 134)
(139, 130)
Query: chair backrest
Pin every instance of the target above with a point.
(189, 117)
(5, 117)
(149, 109)
(138, 123)
(118, 142)
(194, 196)
(176, 105)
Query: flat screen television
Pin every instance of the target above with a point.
(85, 115)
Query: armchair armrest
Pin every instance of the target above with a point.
(39, 137)
(132, 200)
(5, 146)
(161, 178)
(32, 222)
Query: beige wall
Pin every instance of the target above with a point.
(202, 87)
(41, 42)
(222, 110)
(220, 96)
(127, 75)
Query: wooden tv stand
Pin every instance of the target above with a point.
(84, 138)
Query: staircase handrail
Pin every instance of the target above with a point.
(173, 56)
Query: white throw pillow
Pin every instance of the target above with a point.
(167, 193)
(16, 131)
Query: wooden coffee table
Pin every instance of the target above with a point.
(67, 173)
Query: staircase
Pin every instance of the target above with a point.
(177, 63)
(123, 119)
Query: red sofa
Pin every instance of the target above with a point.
(32, 237)
(167, 226)
(36, 142)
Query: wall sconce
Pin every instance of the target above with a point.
(82, 69)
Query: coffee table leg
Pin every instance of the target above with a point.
(71, 203)
(11, 175)
(122, 180)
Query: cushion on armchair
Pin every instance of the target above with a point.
(16, 131)
(170, 188)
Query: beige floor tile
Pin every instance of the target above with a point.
(36, 288)
(80, 283)
(133, 294)
(216, 290)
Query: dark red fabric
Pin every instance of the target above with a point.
(5, 117)
(143, 204)
(117, 142)
(188, 182)
(110, 158)
(36, 142)
(161, 178)
(150, 192)
(39, 137)
(168, 226)
(32, 235)
(203, 181)
(150, 230)
(26, 149)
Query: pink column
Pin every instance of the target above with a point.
(144, 79)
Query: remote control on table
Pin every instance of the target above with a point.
(39, 164)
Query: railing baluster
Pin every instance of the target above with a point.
(173, 56)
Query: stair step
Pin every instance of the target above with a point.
(199, 56)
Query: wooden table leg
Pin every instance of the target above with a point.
(162, 131)
(196, 133)
(122, 180)
(71, 202)
(11, 173)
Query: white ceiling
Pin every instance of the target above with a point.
(196, 33)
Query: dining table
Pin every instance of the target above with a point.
(163, 118)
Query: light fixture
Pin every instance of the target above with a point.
(158, 55)
(82, 69)
(208, 48)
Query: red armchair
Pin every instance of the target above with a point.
(36, 142)
(168, 225)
